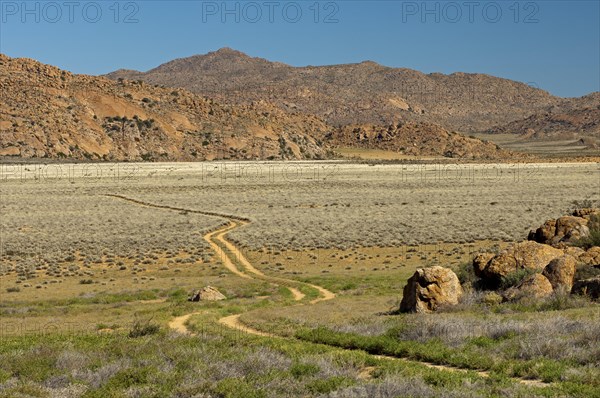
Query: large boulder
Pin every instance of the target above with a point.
(523, 255)
(534, 286)
(430, 288)
(589, 287)
(207, 293)
(560, 272)
(567, 229)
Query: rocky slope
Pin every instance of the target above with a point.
(354, 93)
(46, 112)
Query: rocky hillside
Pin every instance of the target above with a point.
(414, 138)
(353, 93)
(46, 112)
(575, 120)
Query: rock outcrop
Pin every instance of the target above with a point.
(590, 257)
(524, 255)
(566, 229)
(549, 261)
(429, 288)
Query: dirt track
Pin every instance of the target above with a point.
(232, 254)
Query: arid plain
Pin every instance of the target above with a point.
(97, 262)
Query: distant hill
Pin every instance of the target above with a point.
(353, 93)
(416, 139)
(574, 119)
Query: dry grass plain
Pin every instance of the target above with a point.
(79, 268)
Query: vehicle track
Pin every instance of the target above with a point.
(230, 254)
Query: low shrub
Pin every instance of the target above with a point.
(143, 328)
(514, 278)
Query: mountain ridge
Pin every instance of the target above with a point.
(364, 92)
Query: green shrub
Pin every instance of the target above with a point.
(13, 289)
(325, 386)
(466, 275)
(514, 278)
(237, 388)
(299, 370)
(143, 328)
(130, 377)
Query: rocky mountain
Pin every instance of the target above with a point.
(46, 112)
(353, 93)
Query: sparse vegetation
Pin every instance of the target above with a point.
(69, 326)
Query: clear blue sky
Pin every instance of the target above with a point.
(552, 44)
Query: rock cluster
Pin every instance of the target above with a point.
(548, 260)
(545, 264)
(567, 229)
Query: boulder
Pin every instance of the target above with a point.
(207, 293)
(588, 287)
(522, 255)
(560, 272)
(544, 233)
(590, 257)
(430, 288)
(574, 251)
(534, 286)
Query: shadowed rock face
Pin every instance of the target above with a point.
(589, 287)
(430, 288)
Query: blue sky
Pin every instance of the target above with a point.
(554, 45)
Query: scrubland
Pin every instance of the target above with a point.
(89, 282)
